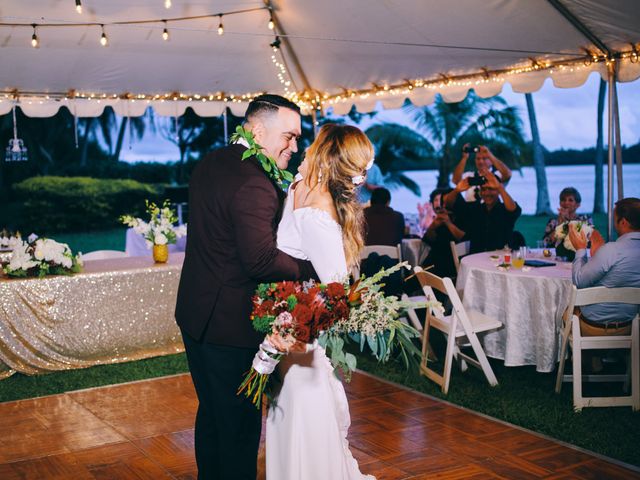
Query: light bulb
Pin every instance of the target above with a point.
(272, 25)
(34, 38)
(104, 41)
(220, 28)
(79, 6)
(165, 34)
(167, 3)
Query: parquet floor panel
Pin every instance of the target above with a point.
(144, 430)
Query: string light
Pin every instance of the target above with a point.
(167, 4)
(165, 32)
(104, 41)
(220, 27)
(34, 37)
(275, 44)
(271, 24)
(79, 6)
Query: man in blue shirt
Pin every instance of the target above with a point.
(612, 265)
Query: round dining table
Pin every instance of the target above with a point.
(529, 302)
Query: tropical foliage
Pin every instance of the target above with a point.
(475, 120)
(396, 143)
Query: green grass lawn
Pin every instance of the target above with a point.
(89, 241)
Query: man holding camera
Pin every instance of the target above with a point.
(484, 161)
(488, 223)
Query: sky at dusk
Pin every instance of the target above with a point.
(566, 119)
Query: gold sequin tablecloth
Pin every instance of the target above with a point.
(116, 310)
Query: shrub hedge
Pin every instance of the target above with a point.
(58, 204)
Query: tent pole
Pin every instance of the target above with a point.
(314, 119)
(610, 136)
(226, 127)
(618, 157)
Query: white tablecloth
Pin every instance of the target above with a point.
(529, 304)
(135, 245)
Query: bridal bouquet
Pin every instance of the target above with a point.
(41, 257)
(160, 229)
(332, 315)
(562, 233)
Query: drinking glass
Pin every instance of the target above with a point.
(519, 257)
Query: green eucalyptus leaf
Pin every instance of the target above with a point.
(350, 359)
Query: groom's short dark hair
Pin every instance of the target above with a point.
(268, 103)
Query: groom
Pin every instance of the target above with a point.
(234, 209)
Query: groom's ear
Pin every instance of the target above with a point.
(258, 130)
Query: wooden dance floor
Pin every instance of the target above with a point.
(143, 430)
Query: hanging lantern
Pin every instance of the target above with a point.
(15, 151)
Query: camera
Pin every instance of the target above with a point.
(470, 149)
(477, 180)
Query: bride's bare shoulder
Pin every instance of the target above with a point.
(320, 200)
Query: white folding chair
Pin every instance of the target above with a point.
(103, 254)
(459, 250)
(459, 326)
(571, 331)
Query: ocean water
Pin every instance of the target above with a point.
(522, 186)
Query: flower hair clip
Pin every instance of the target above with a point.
(359, 179)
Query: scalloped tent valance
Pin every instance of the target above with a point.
(331, 53)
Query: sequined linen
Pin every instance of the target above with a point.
(117, 310)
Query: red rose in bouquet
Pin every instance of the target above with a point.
(296, 312)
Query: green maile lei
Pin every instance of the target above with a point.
(282, 177)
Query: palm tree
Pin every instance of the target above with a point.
(192, 134)
(108, 123)
(395, 143)
(473, 120)
(598, 199)
(543, 206)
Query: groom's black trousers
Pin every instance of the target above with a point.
(227, 433)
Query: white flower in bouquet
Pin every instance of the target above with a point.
(32, 238)
(20, 258)
(562, 232)
(4, 241)
(160, 239)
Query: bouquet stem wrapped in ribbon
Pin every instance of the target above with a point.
(331, 315)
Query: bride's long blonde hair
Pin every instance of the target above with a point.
(339, 154)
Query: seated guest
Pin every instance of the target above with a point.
(569, 203)
(440, 233)
(484, 160)
(612, 265)
(383, 225)
(489, 223)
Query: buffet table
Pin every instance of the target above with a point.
(116, 310)
(529, 303)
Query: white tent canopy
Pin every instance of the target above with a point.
(331, 53)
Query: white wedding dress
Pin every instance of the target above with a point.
(307, 428)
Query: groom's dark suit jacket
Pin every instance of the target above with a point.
(234, 209)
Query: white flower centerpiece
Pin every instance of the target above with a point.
(40, 257)
(564, 247)
(160, 231)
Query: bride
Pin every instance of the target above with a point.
(307, 424)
